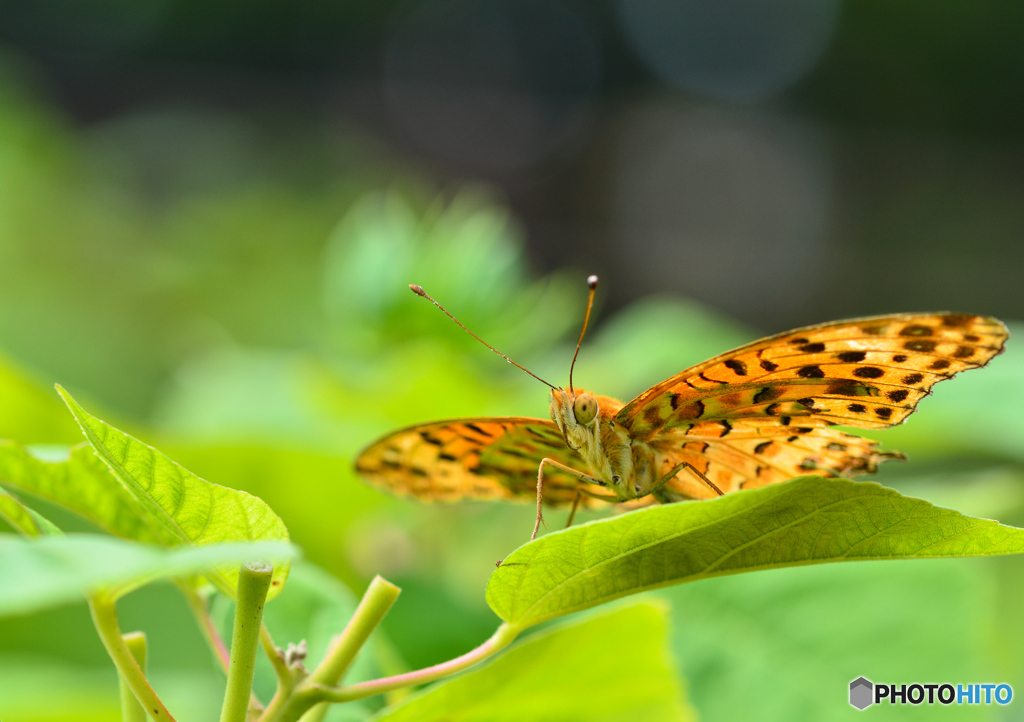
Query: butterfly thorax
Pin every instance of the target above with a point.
(624, 466)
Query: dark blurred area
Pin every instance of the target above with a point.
(210, 212)
(787, 162)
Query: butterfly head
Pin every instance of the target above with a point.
(576, 416)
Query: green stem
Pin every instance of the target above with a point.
(131, 710)
(253, 584)
(281, 670)
(201, 611)
(286, 678)
(104, 617)
(379, 598)
(498, 641)
(316, 713)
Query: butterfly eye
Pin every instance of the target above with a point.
(584, 408)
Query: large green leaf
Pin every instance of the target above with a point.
(77, 480)
(562, 675)
(787, 642)
(52, 570)
(181, 507)
(808, 520)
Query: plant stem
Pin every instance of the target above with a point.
(498, 641)
(253, 584)
(281, 670)
(131, 710)
(379, 598)
(286, 678)
(104, 618)
(201, 611)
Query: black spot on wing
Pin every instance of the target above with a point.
(768, 365)
(810, 372)
(957, 319)
(851, 388)
(922, 345)
(477, 429)
(868, 372)
(768, 393)
(917, 330)
(851, 357)
(737, 366)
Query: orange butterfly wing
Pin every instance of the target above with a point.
(759, 414)
(476, 458)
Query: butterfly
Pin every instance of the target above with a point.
(757, 415)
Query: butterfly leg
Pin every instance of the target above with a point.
(675, 470)
(540, 487)
(575, 506)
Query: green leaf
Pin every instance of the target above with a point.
(179, 506)
(77, 480)
(808, 520)
(53, 570)
(831, 623)
(562, 674)
(23, 519)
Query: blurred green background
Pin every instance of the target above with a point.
(210, 212)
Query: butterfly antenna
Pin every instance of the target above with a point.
(418, 290)
(592, 285)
